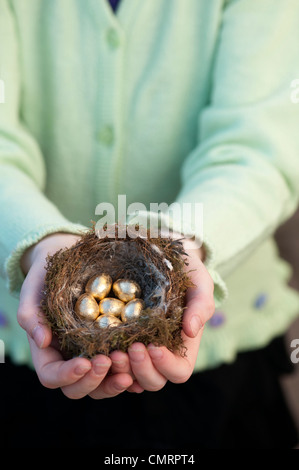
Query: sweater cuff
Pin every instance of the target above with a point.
(12, 268)
(162, 221)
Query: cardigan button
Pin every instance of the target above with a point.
(112, 38)
(106, 135)
(217, 319)
(260, 301)
(3, 320)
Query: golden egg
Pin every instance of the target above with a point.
(126, 290)
(99, 286)
(87, 307)
(111, 306)
(132, 309)
(107, 320)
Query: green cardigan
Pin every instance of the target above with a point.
(166, 101)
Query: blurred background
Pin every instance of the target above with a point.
(287, 238)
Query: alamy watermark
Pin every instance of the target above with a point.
(181, 218)
(295, 353)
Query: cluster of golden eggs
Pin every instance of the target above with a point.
(97, 304)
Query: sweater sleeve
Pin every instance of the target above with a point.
(245, 168)
(26, 214)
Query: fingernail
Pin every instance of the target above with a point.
(100, 366)
(81, 370)
(155, 352)
(119, 363)
(38, 335)
(195, 325)
(119, 387)
(136, 355)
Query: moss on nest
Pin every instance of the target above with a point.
(158, 265)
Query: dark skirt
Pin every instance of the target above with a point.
(233, 406)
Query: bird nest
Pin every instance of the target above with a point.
(157, 264)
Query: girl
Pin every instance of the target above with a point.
(179, 101)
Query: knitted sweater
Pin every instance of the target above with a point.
(184, 101)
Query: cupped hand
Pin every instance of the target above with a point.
(142, 368)
(76, 377)
(151, 367)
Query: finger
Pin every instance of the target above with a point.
(53, 371)
(112, 386)
(198, 311)
(135, 388)
(90, 381)
(174, 367)
(199, 300)
(29, 315)
(120, 363)
(146, 374)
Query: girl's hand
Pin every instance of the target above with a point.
(152, 367)
(141, 369)
(76, 377)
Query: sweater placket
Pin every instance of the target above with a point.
(110, 124)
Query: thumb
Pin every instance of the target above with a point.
(199, 299)
(30, 316)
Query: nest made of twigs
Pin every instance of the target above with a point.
(158, 265)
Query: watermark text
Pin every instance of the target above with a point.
(182, 218)
(295, 353)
